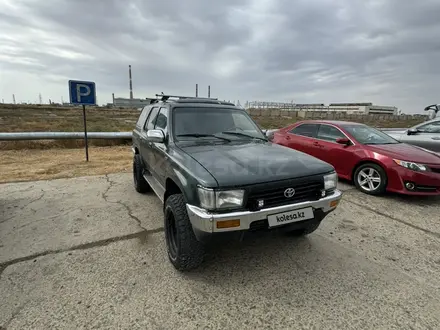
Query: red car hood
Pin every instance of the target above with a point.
(406, 152)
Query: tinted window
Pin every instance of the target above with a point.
(309, 130)
(369, 135)
(430, 128)
(214, 121)
(151, 119)
(162, 120)
(329, 133)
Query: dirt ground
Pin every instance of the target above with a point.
(35, 164)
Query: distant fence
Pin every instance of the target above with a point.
(335, 115)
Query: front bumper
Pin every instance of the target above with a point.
(206, 222)
(426, 183)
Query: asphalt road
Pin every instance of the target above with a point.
(89, 253)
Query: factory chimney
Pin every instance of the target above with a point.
(113, 98)
(131, 84)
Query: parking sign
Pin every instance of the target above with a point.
(82, 92)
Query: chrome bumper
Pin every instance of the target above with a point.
(206, 222)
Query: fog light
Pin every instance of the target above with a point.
(228, 224)
(410, 186)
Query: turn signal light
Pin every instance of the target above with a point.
(334, 203)
(228, 224)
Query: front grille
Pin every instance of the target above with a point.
(272, 194)
(435, 169)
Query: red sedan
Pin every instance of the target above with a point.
(373, 160)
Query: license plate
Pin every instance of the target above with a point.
(289, 217)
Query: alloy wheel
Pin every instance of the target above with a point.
(369, 179)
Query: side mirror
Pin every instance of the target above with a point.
(155, 135)
(343, 141)
(412, 131)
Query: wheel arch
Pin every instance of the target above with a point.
(367, 161)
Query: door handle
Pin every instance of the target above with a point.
(316, 144)
(287, 137)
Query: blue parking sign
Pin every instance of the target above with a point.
(82, 92)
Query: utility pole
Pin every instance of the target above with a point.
(197, 90)
(13, 98)
(209, 91)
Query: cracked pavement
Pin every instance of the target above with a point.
(89, 253)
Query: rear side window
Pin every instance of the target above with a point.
(310, 130)
(143, 115)
(329, 133)
(149, 124)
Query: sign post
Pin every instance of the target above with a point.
(83, 93)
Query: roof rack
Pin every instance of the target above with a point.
(164, 97)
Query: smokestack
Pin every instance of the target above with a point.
(209, 91)
(131, 84)
(197, 90)
(113, 98)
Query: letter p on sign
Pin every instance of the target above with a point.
(82, 92)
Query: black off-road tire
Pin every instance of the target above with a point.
(140, 184)
(184, 250)
(383, 176)
(306, 230)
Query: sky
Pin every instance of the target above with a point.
(306, 51)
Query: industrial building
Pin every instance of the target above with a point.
(363, 108)
(350, 108)
(121, 102)
(131, 102)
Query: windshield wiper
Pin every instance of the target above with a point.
(204, 135)
(243, 134)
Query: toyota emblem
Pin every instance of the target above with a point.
(289, 192)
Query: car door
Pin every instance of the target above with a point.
(428, 136)
(339, 155)
(160, 149)
(303, 138)
(146, 147)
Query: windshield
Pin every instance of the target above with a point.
(369, 135)
(190, 123)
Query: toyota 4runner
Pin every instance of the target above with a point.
(216, 172)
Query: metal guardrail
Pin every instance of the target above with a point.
(21, 136)
(63, 135)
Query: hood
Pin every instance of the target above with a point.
(244, 163)
(403, 151)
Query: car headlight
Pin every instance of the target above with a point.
(220, 199)
(330, 181)
(411, 166)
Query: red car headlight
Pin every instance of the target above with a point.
(411, 165)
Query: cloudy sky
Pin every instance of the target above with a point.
(320, 51)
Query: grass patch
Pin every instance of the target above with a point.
(46, 118)
(26, 165)
(278, 122)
